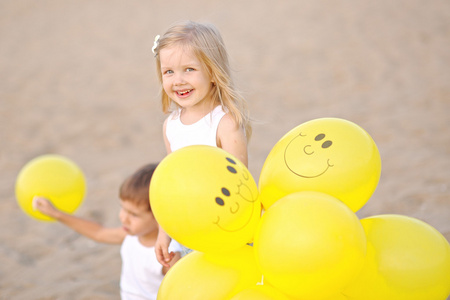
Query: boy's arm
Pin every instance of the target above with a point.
(87, 228)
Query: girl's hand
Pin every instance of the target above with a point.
(162, 249)
(45, 206)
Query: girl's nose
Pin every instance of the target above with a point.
(179, 79)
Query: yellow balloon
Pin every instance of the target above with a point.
(205, 198)
(261, 292)
(407, 259)
(201, 275)
(339, 296)
(328, 155)
(309, 245)
(54, 177)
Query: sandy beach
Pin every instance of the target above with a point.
(78, 79)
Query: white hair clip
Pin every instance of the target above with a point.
(155, 44)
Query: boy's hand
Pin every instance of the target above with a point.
(45, 206)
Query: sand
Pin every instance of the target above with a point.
(78, 79)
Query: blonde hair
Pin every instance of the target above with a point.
(205, 41)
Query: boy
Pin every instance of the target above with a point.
(141, 272)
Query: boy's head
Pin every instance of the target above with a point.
(135, 188)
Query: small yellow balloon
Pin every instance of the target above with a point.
(309, 245)
(328, 155)
(201, 275)
(206, 199)
(261, 292)
(407, 259)
(54, 177)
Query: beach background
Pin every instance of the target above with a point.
(78, 79)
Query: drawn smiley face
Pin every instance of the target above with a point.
(328, 155)
(236, 201)
(309, 156)
(205, 198)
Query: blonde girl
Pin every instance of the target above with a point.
(198, 93)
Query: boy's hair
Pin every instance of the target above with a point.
(205, 41)
(136, 187)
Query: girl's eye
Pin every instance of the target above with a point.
(168, 72)
(189, 69)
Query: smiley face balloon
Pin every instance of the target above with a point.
(328, 155)
(205, 198)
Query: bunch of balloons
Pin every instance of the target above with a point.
(54, 177)
(309, 244)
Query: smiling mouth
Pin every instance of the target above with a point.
(184, 93)
(310, 176)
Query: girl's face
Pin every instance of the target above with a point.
(137, 219)
(185, 79)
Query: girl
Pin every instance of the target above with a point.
(199, 93)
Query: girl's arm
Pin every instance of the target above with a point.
(231, 138)
(166, 141)
(176, 257)
(163, 239)
(162, 248)
(87, 228)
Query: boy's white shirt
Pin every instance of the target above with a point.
(141, 272)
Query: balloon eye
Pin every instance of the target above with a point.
(220, 201)
(231, 161)
(231, 169)
(320, 137)
(226, 192)
(327, 144)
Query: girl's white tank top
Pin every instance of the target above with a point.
(203, 132)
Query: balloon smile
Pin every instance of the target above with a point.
(310, 176)
(217, 222)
